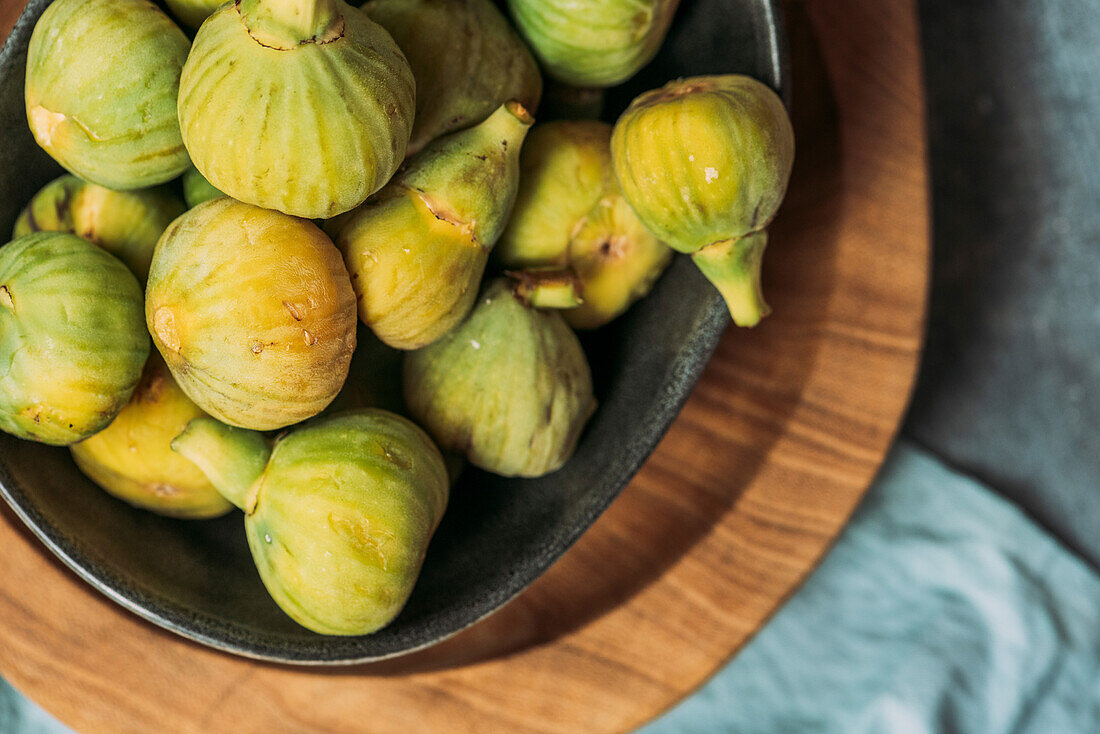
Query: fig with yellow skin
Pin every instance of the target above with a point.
(71, 337)
(253, 312)
(132, 458)
(704, 162)
(598, 43)
(197, 189)
(101, 88)
(569, 212)
(302, 106)
(465, 57)
(338, 514)
(510, 386)
(126, 224)
(416, 251)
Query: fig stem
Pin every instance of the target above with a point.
(551, 287)
(733, 266)
(286, 24)
(231, 458)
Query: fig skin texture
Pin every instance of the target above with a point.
(253, 312)
(302, 106)
(704, 161)
(197, 189)
(192, 13)
(132, 458)
(126, 224)
(416, 251)
(598, 43)
(570, 212)
(510, 387)
(102, 81)
(338, 514)
(72, 335)
(465, 57)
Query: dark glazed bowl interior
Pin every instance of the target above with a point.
(499, 535)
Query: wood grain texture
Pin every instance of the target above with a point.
(739, 502)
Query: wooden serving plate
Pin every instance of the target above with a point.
(742, 498)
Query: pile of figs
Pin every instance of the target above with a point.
(246, 186)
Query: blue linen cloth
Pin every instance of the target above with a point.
(941, 609)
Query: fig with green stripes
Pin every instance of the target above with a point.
(302, 106)
(704, 163)
(338, 514)
(253, 311)
(510, 386)
(597, 43)
(72, 337)
(126, 224)
(101, 88)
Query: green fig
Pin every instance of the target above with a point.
(303, 106)
(510, 386)
(416, 251)
(71, 335)
(569, 212)
(101, 88)
(598, 43)
(197, 189)
(465, 57)
(193, 12)
(704, 162)
(132, 458)
(253, 312)
(338, 514)
(126, 224)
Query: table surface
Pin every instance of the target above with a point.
(756, 478)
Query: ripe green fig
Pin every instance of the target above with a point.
(101, 88)
(126, 224)
(416, 251)
(599, 43)
(132, 458)
(71, 335)
(197, 189)
(510, 386)
(253, 312)
(303, 106)
(193, 12)
(465, 57)
(569, 212)
(338, 514)
(704, 162)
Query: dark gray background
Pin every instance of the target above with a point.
(1008, 390)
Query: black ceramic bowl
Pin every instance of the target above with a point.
(499, 535)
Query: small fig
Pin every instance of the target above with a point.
(101, 88)
(71, 335)
(338, 515)
(416, 251)
(303, 106)
(569, 212)
(598, 43)
(253, 312)
(132, 458)
(510, 386)
(465, 57)
(704, 161)
(193, 12)
(126, 224)
(197, 189)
